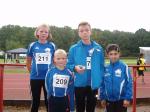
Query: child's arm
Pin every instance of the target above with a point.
(102, 93)
(70, 63)
(71, 94)
(29, 57)
(48, 83)
(28, 63)
(128, 90)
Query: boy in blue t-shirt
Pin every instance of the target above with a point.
(59, 83)
(116, 88)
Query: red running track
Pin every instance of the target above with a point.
(16, 87)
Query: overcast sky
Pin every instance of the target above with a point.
(122, 15)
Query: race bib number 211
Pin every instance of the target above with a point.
(43, 58)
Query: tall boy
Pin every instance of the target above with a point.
(86, 60)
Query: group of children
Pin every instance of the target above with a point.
(62, 76)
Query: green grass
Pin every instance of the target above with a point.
(15, 71)
(22, 61)
(1, 60)
(125, 60)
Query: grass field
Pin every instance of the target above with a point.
(22, 70)
(14, 70)
(128, 61)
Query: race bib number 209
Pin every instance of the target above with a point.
(60, 81)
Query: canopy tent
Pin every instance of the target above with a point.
(1, 52)
(13, 54)
(17, 51)
(146, 52)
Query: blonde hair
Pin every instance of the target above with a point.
(60, 51)
(45, 26)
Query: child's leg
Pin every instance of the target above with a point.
(110, 107)
(119, 107)
(80, 93)
(142, 74)
(58, 104)
(45, 95)
(91, 99)
(36, 93)
(143, 80)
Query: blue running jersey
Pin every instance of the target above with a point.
(60, 83)
(42, 58)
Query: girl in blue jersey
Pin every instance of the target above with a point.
(86, 60)
(116, 89)
(60, 85)
(39, 60)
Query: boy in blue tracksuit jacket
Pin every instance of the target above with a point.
(59, 83)
(86, 60)
(116, 88)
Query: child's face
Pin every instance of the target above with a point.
(84, 32)
(43, 33)
(60, 60)
(113, 56)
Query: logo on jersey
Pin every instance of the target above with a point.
(91, 51)
(107, 74)
(47, 50)
(118, 73)
(36, 47)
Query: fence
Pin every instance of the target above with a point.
(134, 68)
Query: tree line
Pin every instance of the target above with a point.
(15, 36)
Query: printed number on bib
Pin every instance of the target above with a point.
(88, 62)
(43, 58)
(60, 81)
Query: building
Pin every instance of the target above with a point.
(146, 52)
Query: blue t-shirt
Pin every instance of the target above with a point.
(42, 57)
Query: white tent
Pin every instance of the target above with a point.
(146, 52)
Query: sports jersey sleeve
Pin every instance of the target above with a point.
(53, 51)
(48, 83)
(71, 63)
(54, 48)
(29, 51)
(102, 94)
(128, 95)
(102, 63)
(71, 93)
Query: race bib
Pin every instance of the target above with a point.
(88, 63)
(43, 58)
(60, 81)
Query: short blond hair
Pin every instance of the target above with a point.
(83, 24)
(60, 51)
(45, 26)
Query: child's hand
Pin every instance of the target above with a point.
(103, 103)
(79, 68)
(126, 103)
